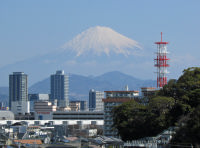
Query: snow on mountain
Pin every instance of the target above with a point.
(94, 51)
(98, 40)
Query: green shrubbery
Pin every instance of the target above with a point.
(176, 104)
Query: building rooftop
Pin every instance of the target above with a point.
(18, 73)
(34, 126)
(60, 72)
(6, 115)
(153, 88)
(100, 140)
(117, 100)
(29, 141)
(122, 91)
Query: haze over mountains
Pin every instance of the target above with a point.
(79, 86)
(98, 51)
(92, 52)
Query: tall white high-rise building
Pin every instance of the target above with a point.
(95, 100)
(60, 88)
(18, 93)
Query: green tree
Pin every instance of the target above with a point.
(170, 89)
(129, 119)
(186, 89)
(177, 113)
(190, 131)
(161, 104)
(134, 120)
(173, 105)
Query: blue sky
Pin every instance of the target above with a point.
(31, 28)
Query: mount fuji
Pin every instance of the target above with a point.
(93, 52)
(98, 40)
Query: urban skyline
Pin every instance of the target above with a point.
(113, 56)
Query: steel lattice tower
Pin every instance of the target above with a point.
(161, 62)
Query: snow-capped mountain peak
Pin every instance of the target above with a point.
(98, 40)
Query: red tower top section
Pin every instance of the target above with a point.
(161, 42)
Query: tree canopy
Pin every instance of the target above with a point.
(186, 89)
(176, 104)
(190, 131)
(134, 120)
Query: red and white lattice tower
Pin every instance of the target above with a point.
(161, 62)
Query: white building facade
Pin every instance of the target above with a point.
(95, 100)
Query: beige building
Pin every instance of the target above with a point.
(75, 105)
(148, 91)
(43, 110)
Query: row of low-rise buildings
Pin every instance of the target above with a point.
(46, 133)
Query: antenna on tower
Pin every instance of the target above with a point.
(161, 62)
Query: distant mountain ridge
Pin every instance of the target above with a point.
(79, 86)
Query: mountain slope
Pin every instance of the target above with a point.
(98, 40)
